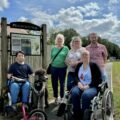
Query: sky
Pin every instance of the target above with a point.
(85, 16)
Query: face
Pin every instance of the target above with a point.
(93, 38)
(85, 57)
(76, 44)
(59, 42)
(20, 57)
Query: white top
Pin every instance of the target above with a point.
(74, 56)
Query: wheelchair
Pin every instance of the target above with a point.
(36, 99)
(101, 107)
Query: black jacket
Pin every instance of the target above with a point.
(95, 73)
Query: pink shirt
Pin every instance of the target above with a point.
(98, 54)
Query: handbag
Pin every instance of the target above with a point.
(49, 69)
(49, 66)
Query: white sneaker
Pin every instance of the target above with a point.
(56, 101)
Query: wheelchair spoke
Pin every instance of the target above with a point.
(107, 104)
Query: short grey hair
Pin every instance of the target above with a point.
(61, 36)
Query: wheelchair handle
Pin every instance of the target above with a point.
(102, 84)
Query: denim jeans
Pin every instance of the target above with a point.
(15, 89)
(81, 99)
(58, 74)
(70, 80)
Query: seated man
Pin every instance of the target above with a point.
(89, 77)
(19, 70)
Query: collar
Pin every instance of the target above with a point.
(95, 45)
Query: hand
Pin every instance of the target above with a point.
(86, 87)
(80, 86)
(9, 76)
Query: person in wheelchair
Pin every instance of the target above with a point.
(89, 77)
(21, 71)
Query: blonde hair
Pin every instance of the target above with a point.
(61, 36)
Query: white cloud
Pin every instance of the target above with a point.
(23, 19)
(112, 2)
(90, 9)
(70, 15)
(3, 4)
(41, 17)
(108, 26)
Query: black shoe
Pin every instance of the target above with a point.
(14, 107)
(78, 115)
(46, 106)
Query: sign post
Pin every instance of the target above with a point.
(4, 52)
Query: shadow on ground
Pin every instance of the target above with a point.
(51, 112)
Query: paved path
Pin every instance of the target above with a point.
(52, 110)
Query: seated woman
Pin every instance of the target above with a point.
(89, 77)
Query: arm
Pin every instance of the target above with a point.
(105, 54)
(96, 75)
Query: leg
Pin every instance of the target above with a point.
(87, 96)
(25, 92)
(75, 99)
(62, 75)
(46, 97)
(70, 81)
(14, 91)
(54, 80)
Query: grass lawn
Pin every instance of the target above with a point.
(116, 88)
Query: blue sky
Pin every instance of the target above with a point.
(85, 16)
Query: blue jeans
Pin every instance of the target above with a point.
(15, 89)
(58, 74)
(70, 80)
(81, 99)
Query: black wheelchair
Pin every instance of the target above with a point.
(101, 107)
(36, 99)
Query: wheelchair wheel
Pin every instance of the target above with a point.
(37, 115)
(92, 116)
(107, 105)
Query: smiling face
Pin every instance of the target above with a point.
(20, 57)
(85, 56)
(76, 44)
(93, 38)
(59, 42)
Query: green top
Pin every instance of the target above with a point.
(59, 61)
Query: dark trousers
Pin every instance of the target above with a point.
(71, 80)
(58, 74)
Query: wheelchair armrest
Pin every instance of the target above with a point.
(103, 85)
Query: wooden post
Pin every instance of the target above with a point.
(44, 43)
(4, 52)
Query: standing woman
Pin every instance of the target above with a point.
(58, 69)
(72, 59)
